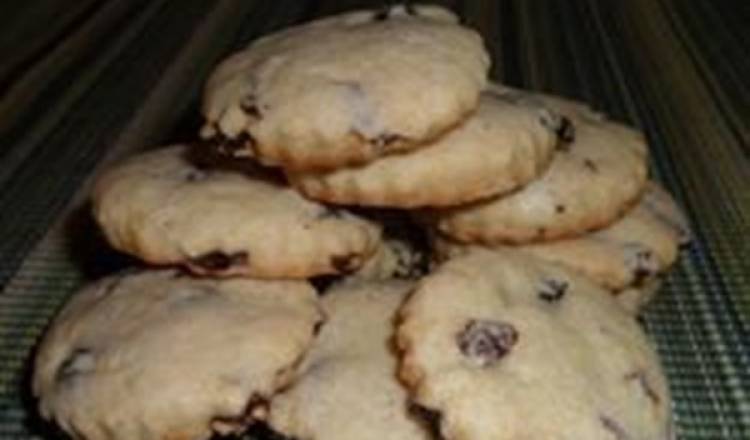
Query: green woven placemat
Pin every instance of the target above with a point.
(110, 79)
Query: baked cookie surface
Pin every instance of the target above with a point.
(592, 181)
(347, 89)
(165, 207)
(159, 355)
(348, 388)
(500, 148)
(626, 254)
(504, 346)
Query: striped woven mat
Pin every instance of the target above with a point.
(86, 82)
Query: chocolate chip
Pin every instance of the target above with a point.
(614, 428)
(485, 342)
(231, 146)
(558, 124)
(80, 361)
(566, 131)
(385, 140)
(559, 209)
(641, 261)
(219, 261)
(249, 105)
(345, 263)
(541, 232)
(429, 418)
(382, 14)
(590, 165)
(235, 426)
(318, 326)
(552, 290)
(648, 390)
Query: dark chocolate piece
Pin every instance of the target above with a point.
(566, 131)
(345, 263)
(219, 261)
(249, 105)
(552, 290)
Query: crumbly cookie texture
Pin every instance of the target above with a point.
(628, 254)
(165, 207)
(394, 259)
(347, 89)
(348, 388)
(594, 179)
(159, 355)
(503, 146)
(502, 345)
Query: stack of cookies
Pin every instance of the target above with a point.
(322, 144)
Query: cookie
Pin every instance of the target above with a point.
(504, 346)
(636, 248)
(346, 89)
(593, 179)
(348, 388)
(503, 146)
(160, 355)
(167, 207)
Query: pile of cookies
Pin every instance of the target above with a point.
(505, 311)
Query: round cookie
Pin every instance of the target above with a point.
(626, 254)
(591, 182)
(166, 207)
(347, 89)
(348, 388)
(160, 355)
(504, 346)
(503, 146)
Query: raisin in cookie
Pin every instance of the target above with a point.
(167, 207)
(503, 146)
(594, 179)
(505, 346)
(347, 89)
(348, 387)
(635, 249)
(160, 355)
